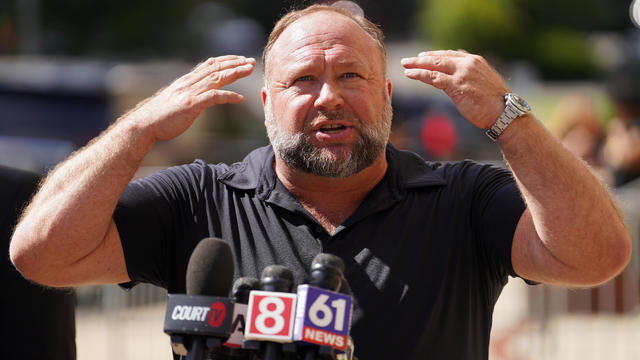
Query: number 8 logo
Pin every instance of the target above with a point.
(265, 313)
(270, 316)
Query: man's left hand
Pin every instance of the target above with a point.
(475, 87)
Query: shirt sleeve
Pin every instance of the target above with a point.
(159, 223)
(496, 210)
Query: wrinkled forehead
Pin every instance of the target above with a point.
(326, 32)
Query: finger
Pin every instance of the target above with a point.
(449, 53)
(212, 60)
(228, 64)
(443, 64)
(436, 79)
(196, 74)
(211, 68)
(218, 64)
(217, 79)
(216, 97)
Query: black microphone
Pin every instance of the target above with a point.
(242, 287)
(276, 278)
(327, 272)
(199, 321)
(323, 315)
(270, 316)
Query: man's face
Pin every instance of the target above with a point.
(327, 102)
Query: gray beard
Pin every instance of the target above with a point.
(297, 151)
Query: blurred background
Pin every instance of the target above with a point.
(69, 68)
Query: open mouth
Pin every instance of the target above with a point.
(331, 128)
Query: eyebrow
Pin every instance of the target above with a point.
(304, 66)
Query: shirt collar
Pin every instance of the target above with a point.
(411, 171)
(249, 173)
(405, 170)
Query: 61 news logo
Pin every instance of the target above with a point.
(270, 316)
(323, 317)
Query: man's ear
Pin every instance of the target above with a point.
(389, 87)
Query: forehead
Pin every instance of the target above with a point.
(324, 34)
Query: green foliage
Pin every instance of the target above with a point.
(473, 25)
(551, 34)
(563, 54)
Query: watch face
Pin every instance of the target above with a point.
(519, 102)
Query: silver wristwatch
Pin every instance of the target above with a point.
(514, 106)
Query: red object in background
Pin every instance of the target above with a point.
(438, 135)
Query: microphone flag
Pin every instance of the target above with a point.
(323, 317)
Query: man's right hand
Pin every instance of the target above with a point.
(67, 236)
(173, 109)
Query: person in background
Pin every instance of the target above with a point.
(37, 322)
(622, 157)
(622, 144)
(577, 124)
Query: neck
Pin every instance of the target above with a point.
(330, 200)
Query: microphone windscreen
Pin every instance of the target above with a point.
(242, 287)
(328, 260)
(276, 278)
(327, 271)
(210, 268)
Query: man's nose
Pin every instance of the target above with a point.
(330, 97)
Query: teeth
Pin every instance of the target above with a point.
(332, 127)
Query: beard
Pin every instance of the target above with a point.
(297, 150)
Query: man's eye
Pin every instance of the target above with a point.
(350, 75)
(304, 78)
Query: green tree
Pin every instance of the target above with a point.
(472, 25)
(551, 34)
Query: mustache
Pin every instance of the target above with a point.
(335, 115)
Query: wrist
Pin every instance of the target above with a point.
(133, 133)
(515, 107)
(518, 125)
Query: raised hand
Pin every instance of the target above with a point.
(474, 86)
(174, 108)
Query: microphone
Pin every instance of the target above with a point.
(198, 321)
(240, 296)
(327, 272)
(270, 314)
(323, 315)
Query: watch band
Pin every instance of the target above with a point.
(515, 106)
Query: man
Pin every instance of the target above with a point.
(37, 323)
(427, 247)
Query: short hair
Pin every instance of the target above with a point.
(289, 18)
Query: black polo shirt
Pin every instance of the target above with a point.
(426, 253)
